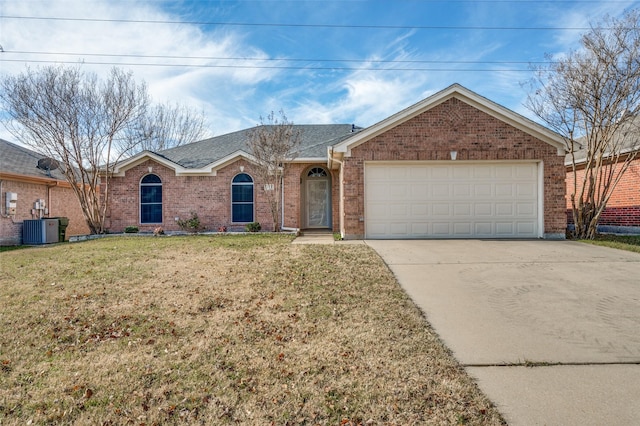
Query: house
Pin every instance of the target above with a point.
(622, 214)
(455, 165)
(31, 178)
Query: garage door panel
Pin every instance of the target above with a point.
(462, 172)
(451, 200)
(525, 190)
(482, 190)
(439, 172)
(419, 229)
(483, 229)
(483, 209)
(526, 210)
(525, 227)
(504, 210)
(418, 173)
(441, 209)
(399, 210)
(504, 172)
(440, 190)
(399, 229)
(463, 229)
(482, 172)
(441, 229)
(462, 210)
(462, 190)
(504, 190)
(504, 228)
(419, 210)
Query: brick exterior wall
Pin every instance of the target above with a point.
(61, 202)
(475, 135)
(623, 208)
(208, 196)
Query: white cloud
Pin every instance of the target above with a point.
(211, 89)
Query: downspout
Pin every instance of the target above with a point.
(341, 207)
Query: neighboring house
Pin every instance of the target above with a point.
(33, 177)
(454, 165)
(622, 214)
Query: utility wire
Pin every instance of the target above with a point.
(250, 24)
(284, 67)
(219, 58)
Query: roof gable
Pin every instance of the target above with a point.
(465, 95)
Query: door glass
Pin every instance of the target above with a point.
(317, 203)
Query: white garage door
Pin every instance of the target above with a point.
(452, 200)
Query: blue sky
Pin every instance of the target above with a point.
(353, 61)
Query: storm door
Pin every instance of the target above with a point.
(317, 205)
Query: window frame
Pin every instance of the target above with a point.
(142, 185)
(250, 183)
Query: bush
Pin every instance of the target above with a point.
(253, 227)
(131, 229)
(192, 224)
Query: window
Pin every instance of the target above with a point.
(317, 172)
(151, 199)
(242, 199)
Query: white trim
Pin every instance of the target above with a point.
(540, 199)
(210, 169)
(459, 92)
(140, 185)
(253, 193)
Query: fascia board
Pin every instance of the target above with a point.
(309, 160)
(210, 169)
(121, 168)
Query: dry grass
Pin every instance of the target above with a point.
(220, 330)
(621, 242)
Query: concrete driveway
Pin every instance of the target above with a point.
(550, 329)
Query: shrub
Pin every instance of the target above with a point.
(192, 224)
(253, 227)
(131, 229)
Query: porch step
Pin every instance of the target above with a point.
(312, 232)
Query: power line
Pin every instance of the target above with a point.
(254, 24)
(283, 67)
(219, 58)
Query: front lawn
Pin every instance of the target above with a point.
(622, 242)
(220, 330)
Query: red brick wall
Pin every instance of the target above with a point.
(208, 196)
(475, 135)
(61, 202)
(623, 208)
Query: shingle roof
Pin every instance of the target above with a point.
(315, 138)
(630, 143)
(19, 160)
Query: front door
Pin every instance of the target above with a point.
(317, 204)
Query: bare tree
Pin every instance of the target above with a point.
(591, 97)
(83, 122)
(168, 125)
(273, 144)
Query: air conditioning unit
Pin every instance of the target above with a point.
(40, 231)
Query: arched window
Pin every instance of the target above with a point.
(242, 199)
(317, 172)
(151, 199)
